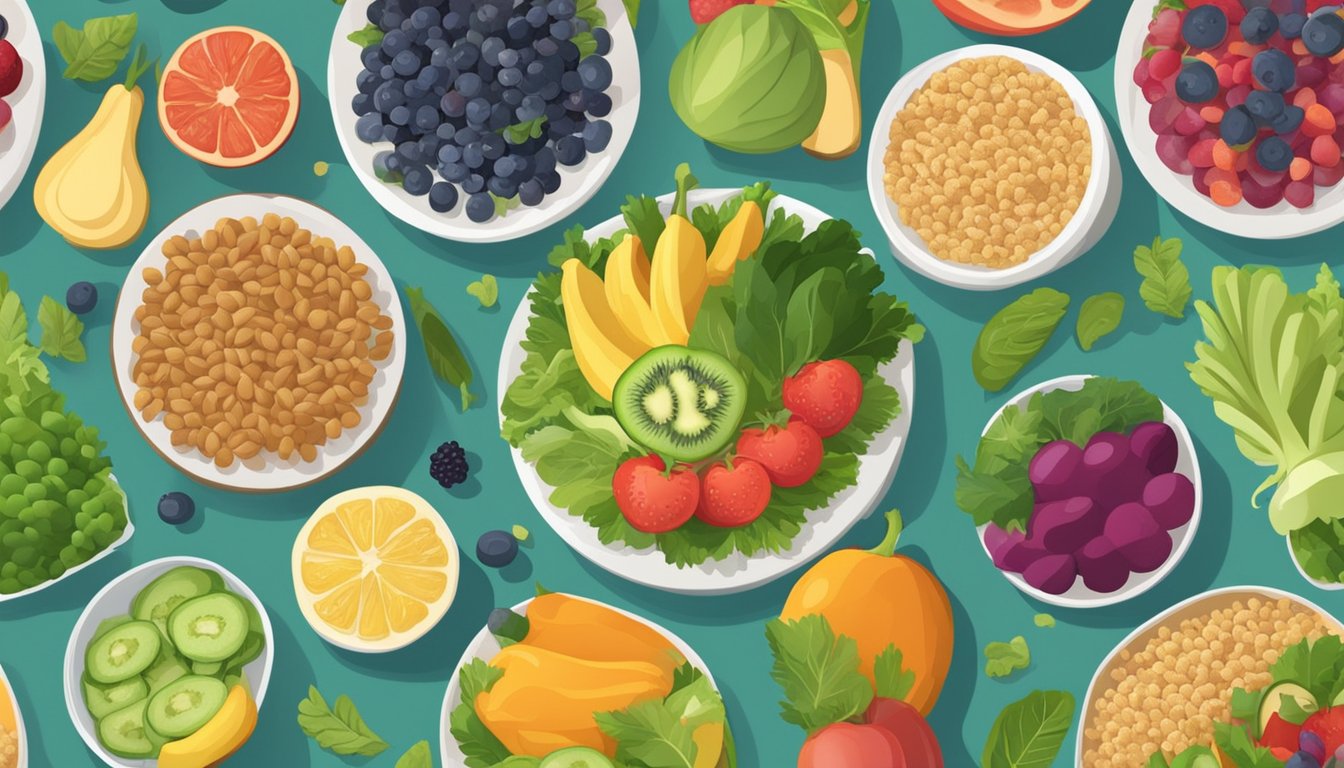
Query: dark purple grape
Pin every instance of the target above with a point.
(1053, 467)
(1052, 574)
(1155, 444)
(1062, 527)
(1017, 554)
(1140, 538)
(1103, 568)
(1171, 499)
(996, 537)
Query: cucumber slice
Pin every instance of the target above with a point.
(103, 700)
(185, 704)
(576, 757)
(157, 600)
(209, 628)
(207, 668)
(253, 645)
(1272, 700)
(123, 732)
(123, 652)
(168, 668)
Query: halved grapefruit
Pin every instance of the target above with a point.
(229, 97)
(1010, 17)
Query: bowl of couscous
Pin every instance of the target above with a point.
(13, 741)
(991, 166)
(1165, 686)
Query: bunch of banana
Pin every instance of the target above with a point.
(643, 304)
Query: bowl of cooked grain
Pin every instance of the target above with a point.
(997, 168)
(1165, 685)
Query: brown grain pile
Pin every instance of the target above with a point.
(257, 336)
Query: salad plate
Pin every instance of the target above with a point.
(487, 646)
(266, 471)
(18, 140)
(709, 561)
(11, 719)
(578, 183)
(115, 600)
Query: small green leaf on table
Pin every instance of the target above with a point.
(1015, 335)
(1100, 315)
(486, 290)
(340, 729)
(1003, 659)
(61, 331)
(418, 756)
(1044, 620)
(93, 54)
(1166, 281)
(1030, 732)
(445, 356)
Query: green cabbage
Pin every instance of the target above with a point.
(750, 81)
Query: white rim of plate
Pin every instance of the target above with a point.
(21, 732)
(263, 473)
(258, 670)
(578, 183)
(325, 630)
(737, 573)
(1269, 593)
(449, 752)
(115, 545)
(1243, 220)
(18, 141)
(1093, 217)
(1079, 596)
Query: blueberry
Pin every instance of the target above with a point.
(505, 166)
(537, 16)
(490, 50)
(1265, 105)
(362, 104)
(1259, 25)
(381, 169)
(509, 76)
(561, 9)
(473, 184)
(465, 136)
(569, 150)
(369, 128)
(424, 18)
(1205, 27)
(546, 47)
(454, 21)
(456, 172)
(596, 72)
(453, 104)
(1291, 24)
(596, 136)
(465, 55)
(1274, 70)
(473, 155)
(1289, 120)
(550, 182)
(372, 58)
(1324, 33)
(492, 146)
(531, 108)
(530, 192)
(468, 84)
(576, 101)
(176, 507)
(603, 39)
(496, 548)
(366, 81)
(544, 160)
(396, 133)
(501, 117)
(1296, 760)
(1274, 154)
(442, 197)
(1238, 126)
(599, 104)
(562, 30)
(427, 118)
(81, 297)
(480, 209)
(441, 57)
(395, 42)
(478, 111)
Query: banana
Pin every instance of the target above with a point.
(602, 347)
(740, 239)
(627, 289)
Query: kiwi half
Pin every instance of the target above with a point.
(683, 403)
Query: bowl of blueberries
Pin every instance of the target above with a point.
(483, 120)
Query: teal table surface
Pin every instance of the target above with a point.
(400, 693)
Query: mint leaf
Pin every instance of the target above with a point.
(418, 756)
(370, 35)
(340, 730)
(1166, 281)
(818, 671)
(1015, 335)
(61, 330)
(1099, 316)
(94, 53)
(486, 290)
(892, 679)
(1030, 732)
(1003, 659)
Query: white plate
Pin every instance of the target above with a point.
(1100, 201)
(1187, 463)
(18, 720)
(485, 647)
(736, 573)
(1189, 607)
(18, 140)
(265, 472)
(115, 600)
(125, 537)
(578, 184)
(1243, 220)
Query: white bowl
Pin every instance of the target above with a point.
(1079, 596)
(1191, 606)
(19, 139)
(485, 647)
(125, 537)
(20, 733)
(1243, 219)
(265, 472)
(578, 183)
(737, 572)
(115, 600)
(1095, 213)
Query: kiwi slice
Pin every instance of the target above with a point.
(683, 403)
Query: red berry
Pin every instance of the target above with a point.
(1164, 63)
(11, 68)
(825, 394)
(734, 496)
(652, 499)
(705, 11)
(790, 454)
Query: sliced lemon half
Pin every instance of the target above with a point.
(375, 569)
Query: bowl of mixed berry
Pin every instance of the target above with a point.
(1234, 110)
(483, 120)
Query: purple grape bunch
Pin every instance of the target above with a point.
(1102, 512)
(483, 100)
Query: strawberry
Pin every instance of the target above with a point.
(791, 454)
(652, 499)
(705, 11)
(11, 68)
(825, 394)
(733, 493)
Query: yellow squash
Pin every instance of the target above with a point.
(92, 190)
(680, 272)
(585, 630)
(739, 241)
(880, 599)
(602, 347)
(545, 701)
(223, 735)
(627, 287)
(841, 128)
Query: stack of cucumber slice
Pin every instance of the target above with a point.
(162, 671)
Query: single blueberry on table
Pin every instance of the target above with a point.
(81, 297)
(176, 507)
(496, 549)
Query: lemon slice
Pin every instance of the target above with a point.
(374, 569)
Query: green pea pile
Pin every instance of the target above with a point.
(58, 505)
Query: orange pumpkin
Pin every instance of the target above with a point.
(1010, 17)
(879, 599)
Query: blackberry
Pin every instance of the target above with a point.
(448, 465)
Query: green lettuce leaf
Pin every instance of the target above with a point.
(818, 671)
(481, 748)
(1237, 745)
(1030, 732)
